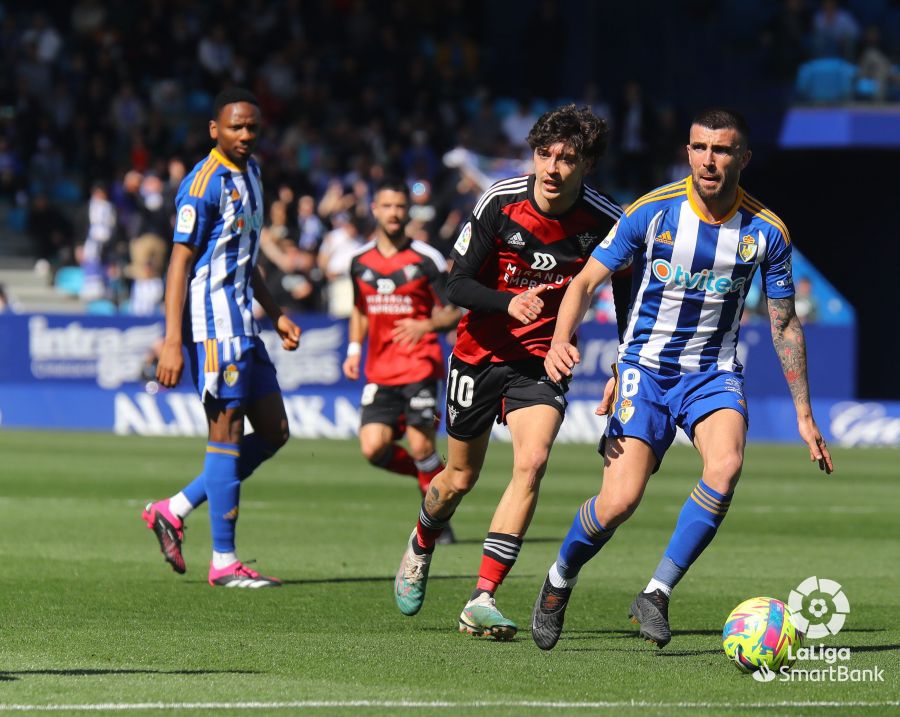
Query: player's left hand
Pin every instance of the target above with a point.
(410, 331)
(606, 401)
(289, 333)
(818, 451)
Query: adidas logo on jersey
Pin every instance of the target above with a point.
(368, 275)
(515, 240)
(665, 238)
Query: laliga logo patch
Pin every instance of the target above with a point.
(747, 249)
(626, 410)
(462, 243)
(818, 607)
(239, 223)
(187, 216)
(609, 237)
(230, 374)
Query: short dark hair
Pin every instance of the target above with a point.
(581, 129)
(230, 96)
(392, 184)
(723, 118)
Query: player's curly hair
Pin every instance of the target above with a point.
(581, 129)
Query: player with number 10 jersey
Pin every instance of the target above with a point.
(526, 239)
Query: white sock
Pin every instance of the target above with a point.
(223, 560)
(426, 465)
(180, 506)
(654, 584)
(558, 581)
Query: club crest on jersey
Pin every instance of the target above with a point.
(239, 224)
(515, 240)
(231, 374)
(747, 248)
(187, 216)
(452, 413)
(462, 243)
(626, 411)
(586, 239)
(410, 271)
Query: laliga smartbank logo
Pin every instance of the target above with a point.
(705, 280)
(818, 609)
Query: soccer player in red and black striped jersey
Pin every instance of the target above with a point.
(400, 301)
(524, 242)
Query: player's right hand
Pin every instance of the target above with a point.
(527, 306)
(170, 365)
(560, 360)
(351, 367)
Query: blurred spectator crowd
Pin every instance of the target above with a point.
(104, 108)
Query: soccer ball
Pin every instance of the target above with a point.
(760, 635)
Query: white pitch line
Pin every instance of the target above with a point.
(436, 704)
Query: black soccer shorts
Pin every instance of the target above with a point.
(412, 404)
(479, 395)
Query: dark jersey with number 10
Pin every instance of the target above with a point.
(510, 245)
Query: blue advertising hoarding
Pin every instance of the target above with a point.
(93, 373)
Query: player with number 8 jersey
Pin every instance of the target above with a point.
(526, 238)
(695, 246)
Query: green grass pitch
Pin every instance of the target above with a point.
(91, 615)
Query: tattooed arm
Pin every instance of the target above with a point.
(790, 345)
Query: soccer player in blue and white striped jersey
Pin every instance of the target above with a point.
(213, 269)
(694, 245)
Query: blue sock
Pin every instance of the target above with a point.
(223, 487)
(583, 542)
(700, 518)
(254, 450)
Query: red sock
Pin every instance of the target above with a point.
(426, 537)
(500, 553)
(397, 460)
(425, 478)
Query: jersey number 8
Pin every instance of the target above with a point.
(631, 377)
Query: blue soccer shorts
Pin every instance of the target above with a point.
(232, 371)
(650, 406)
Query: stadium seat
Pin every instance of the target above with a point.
(504, 106)
(16, 219)
(65, 190)
(199, 103)
(102, 307)
(826, 81)
(69, 280)
(539, 105)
